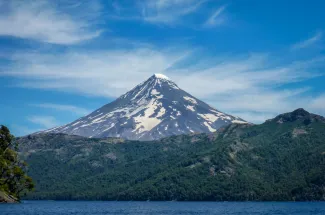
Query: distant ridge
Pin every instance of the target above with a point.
(282, 159)
(298, 114)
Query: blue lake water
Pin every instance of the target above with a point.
(161, 208)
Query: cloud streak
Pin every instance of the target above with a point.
(217, 18)
(59, 107)
(44, 121)
(158, 12)
(19, 130)
(308, 42)
(100, 73)
(45, 21)
(242, 84)
(168, 11)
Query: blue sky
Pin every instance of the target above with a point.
(60, 60)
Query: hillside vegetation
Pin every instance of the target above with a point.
(281, 159)
(13, 180)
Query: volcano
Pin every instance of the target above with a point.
(152, 110)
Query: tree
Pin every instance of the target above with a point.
(13, 179)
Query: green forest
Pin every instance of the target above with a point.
(13, 180)
(282, 159)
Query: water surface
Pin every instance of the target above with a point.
(161, 208)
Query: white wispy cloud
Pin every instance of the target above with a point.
(59, 107)
(168, 11)
(44, 121)
(100, 73)
(257, 105)
(247, 84)
(217, 18)
(318, 103)
(57, 22)
(20, 130)
(273, 105)
(308, 42)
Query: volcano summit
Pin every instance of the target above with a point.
(152, 110)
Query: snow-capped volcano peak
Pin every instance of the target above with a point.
(150, 87)
(161, 76)
(153, 109)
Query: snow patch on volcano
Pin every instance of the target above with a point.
(193, 101)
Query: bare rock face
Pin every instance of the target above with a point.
(152, 110)
(5, 198)
(298, 131)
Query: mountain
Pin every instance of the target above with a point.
(282, 159)
(152, 110)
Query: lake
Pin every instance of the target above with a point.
(161, 208)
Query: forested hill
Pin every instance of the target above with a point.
(13, 180)
(281, 159)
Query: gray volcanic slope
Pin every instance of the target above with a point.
(154, 109)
